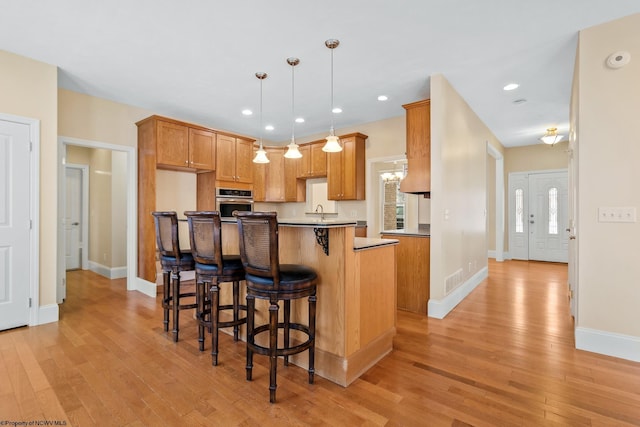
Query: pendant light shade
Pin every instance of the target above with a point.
(261, 154)
(333, 143)
(293, 152)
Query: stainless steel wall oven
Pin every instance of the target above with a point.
(229, 200)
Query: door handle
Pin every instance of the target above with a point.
(572, 237)
(531, 222)
(75, 223)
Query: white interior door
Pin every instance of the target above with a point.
(14, 224)
(548, 217)
(73, 218)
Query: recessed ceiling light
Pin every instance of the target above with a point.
(337, 110)
(247, 112)
(511, 86)
(382, 98)
(268, 127)
(299, 120)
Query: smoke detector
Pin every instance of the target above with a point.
(618, 59)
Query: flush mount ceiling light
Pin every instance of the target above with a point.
(551, 137)
(511, 86)
(293, 152)
(333, 144)
(261, 154)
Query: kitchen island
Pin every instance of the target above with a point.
(356, 307)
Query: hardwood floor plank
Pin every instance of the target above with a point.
(503, 356)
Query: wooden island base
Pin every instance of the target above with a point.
(356, 307)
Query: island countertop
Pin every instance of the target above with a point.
(362, 243)
(309, 222)
(413, 232)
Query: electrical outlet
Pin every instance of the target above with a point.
(622, 214)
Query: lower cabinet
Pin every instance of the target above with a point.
(413, 266)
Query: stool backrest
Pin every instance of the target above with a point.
(167, 233)
(205, 234)
(258, 234)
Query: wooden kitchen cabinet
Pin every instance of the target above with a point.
(313, 163)
(346, 169)
(418, 122)
(413, 267)
(276, 181)
(181, 147)
(234, 159)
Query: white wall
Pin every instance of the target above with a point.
(458, 190)
(607, 116)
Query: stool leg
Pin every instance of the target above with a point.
(236, 308)
(312, 336)
(273, 349)
(287, 321)
(214, 297)
(200, 295)
(175, 281)
(251, 303)
(165, 298)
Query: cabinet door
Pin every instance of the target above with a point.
(225, 158)
(202, 149)
(244, 161)
(274, 182)
(290, 180)
(334, 176)
(260, 182)
(304, 163)
(318, 160)
(172, 146)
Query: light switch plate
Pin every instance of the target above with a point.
(620, 214)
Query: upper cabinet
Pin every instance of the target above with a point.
(314, 161)
(234, 159)
(418, 179)
(346, 169)
(276, 181)
(182, 147)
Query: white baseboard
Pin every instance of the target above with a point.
(492, 254)
(440, 308)
(108, 272)
(48, 314)
(147, 288)
(608, 343)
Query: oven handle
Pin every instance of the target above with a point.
(238, 201)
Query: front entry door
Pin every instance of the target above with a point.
(15, 274)
(538, 216)
(548, 217)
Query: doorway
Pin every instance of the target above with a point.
(125, 175)
(538, 216)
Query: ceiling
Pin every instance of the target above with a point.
(196, 60)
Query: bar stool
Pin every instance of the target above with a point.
(267, 279)
(213, 268)
(173, 261)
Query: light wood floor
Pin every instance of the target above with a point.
(504, 356)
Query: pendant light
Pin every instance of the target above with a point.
(293, 152)
(333, 144)
(261, 154)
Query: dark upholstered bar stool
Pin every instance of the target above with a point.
(268, 279)
(213, 268)
(173, 261)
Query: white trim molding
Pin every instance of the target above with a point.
(608, 343)
(148, 288)
(440, 308)
(48, 314)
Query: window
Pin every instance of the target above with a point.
(519, 210)
(393, 205)
(553, 210)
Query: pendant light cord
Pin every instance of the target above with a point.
(331, 132)
(293, 113)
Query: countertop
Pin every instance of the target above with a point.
(362, 243)
(306, 222)
(413, 232)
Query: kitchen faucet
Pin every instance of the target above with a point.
(321, 211)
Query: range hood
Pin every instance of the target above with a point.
(418, 178)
